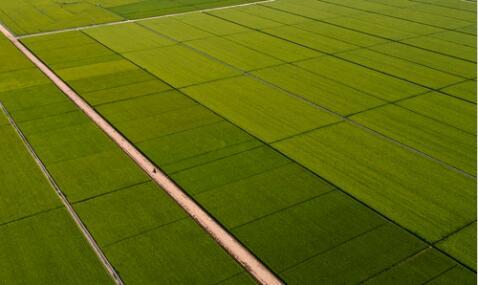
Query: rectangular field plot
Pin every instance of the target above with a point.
(454, 66)
(273, 14)
(21, 79)
(245, 19)
(308, 39)
(204, 144)
(339, 33)
(413, 15)
(319, 90)
(149, 8)
(40, 243)
(457, 274)
(90, 50)
(271, 192)
(69, 142)
(12, 60)
(127, 91)
(272, 46)
(383, 26)
(312, 9)
(96, 174)
(211, 24)
(398, 173)
(438, 140)
(110, 81)
(128, 212)
(464, 90)
(233, 54)
(25, 191)
(38, 96)
(444, 47)
(456, 37)
(180, 66)
(173, 28)
(361, 78)
(402, 69)
(420, 268)
(445, 109)
(168, 123)
(271, 116)
(362, 252)
(462, 245)
(200, 260)
(128, 37)
(48, 248)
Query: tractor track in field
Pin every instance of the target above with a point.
(235, 248)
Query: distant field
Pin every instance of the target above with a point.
(28, 17)
(335, 139)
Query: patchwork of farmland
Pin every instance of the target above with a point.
(335, 139)
(36, 16)
(142, 232)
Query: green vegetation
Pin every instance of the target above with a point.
(424, 134)
(465, 90)
(28, 17)
(444, 63)
(397, 172)
(400, 68)
(233, 54)
(178, 253)
(462, 245)
(362, 259)
(48, 248)
(266, 112)
(128, 37)
(457, 274)
(114, 198)
(445, 109)
(419, 268)
(361, 78)
(178, 65)
(280, 49)
(20, 176)
(334, 139)
(319, 90)
(40, 242)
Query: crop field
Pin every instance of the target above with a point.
(334, 139)
(28, 17)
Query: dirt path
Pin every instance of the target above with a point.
(241, 254)
(141, 19)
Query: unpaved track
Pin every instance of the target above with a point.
(66, 203)
(241, 254)
(140, 19)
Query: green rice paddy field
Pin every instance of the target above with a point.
(335, 139)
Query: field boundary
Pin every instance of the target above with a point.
(89, 238)
(138, 20)
(239, 252)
